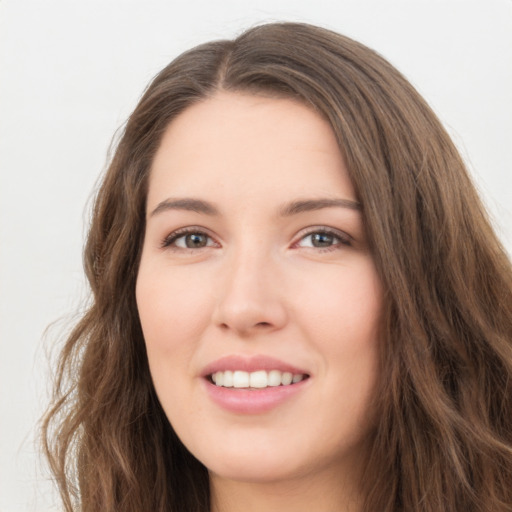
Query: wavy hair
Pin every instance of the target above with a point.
(444, 435)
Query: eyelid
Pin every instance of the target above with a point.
(344, 237)
(167, 242)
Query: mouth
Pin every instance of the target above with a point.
(253, 384)
(259, 379)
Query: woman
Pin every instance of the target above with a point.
(298, 300)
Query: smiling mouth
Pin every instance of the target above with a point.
(260, 379)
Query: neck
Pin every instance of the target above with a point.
(321, 493)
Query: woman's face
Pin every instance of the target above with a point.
(256, 272)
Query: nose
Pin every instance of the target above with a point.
(251, 298)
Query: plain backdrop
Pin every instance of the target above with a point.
(71, 72)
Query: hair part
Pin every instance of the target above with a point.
(443, 439)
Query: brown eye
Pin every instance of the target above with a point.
(195, 240)
(188, 240)
(324, 239)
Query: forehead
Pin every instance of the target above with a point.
(241, 145)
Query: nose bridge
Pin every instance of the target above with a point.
(249, 297)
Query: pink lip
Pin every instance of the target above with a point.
(251, 401)
(250, 364)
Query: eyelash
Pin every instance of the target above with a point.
(339, 238)
(168, 241)
(342, 238)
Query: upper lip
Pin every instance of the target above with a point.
(250, 364)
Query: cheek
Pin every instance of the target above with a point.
(172, 312)
(344, 305)
(173, 308)
(343, 322)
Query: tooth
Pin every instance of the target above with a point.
(228, 379)
(240, 379)
(258, 379)
(274, 378)
(286, 378)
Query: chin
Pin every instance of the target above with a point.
(270, 463)
(251, 471)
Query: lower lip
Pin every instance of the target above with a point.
(253, 401)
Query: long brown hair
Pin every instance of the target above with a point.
(444, 435)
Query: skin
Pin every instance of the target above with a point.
(261, 285)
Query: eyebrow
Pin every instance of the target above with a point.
(293, 208)
(189, 204)
(308, 205)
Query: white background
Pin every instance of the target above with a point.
(71, 72)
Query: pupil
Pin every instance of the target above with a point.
(322, 240)
(195, 240)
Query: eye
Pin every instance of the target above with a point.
(324, 239)
(188, 239)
